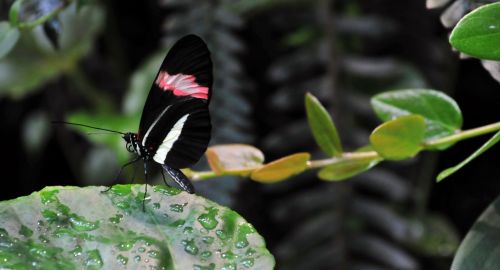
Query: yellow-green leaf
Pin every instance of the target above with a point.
(322, 127)
(399, 138)
(346, 168)
(234, 158)
(282, 168)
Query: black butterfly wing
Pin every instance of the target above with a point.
(175, 124)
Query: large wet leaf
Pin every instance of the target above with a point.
(442, 114)
(481, 247)
(478, 33)
(83, 228)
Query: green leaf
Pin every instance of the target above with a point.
(282, 168)
(84, 228)
(109, 121)
(8, 38)
(474, 155)
(14, 12)
(347, 167)
(240, 159)
(442, 114)
(481, 247)
(322, 126)
(400, 138)
(478, 33)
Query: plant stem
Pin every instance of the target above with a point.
(462, 135)
(41, 20)
(358, 156)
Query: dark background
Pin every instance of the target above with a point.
(371, 46)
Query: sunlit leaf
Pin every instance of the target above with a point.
(481, 247)
(282, 168)
(474, 155)
(85, 228)
(399, 138)
(441, 113)
(478, 33)
(231, 158)
(322, 126)
(8, 38)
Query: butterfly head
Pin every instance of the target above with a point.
(129, 138)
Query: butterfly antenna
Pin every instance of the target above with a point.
(76, 124)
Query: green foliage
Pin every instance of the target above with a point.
(441, 113)
(282, 168)
(347, 167)
(56, 229)
(8, 38)
(478, 152)
(481, 247)
(400, 138)
(478, 33)
(234, 158)
(113, 122)
(322, 126)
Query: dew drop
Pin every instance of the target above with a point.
(122, 259)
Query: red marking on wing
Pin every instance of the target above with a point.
(181, 85)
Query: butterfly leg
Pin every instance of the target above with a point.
(164, 180)
(145, 186)
(179, 178)
(120, 172)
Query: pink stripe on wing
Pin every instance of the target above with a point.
(181, 85)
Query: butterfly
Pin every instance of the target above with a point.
(174, 130)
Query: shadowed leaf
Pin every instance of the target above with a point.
(481, 247)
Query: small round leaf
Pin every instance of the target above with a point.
(228, 158)
(400, 138)
(282, 168)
